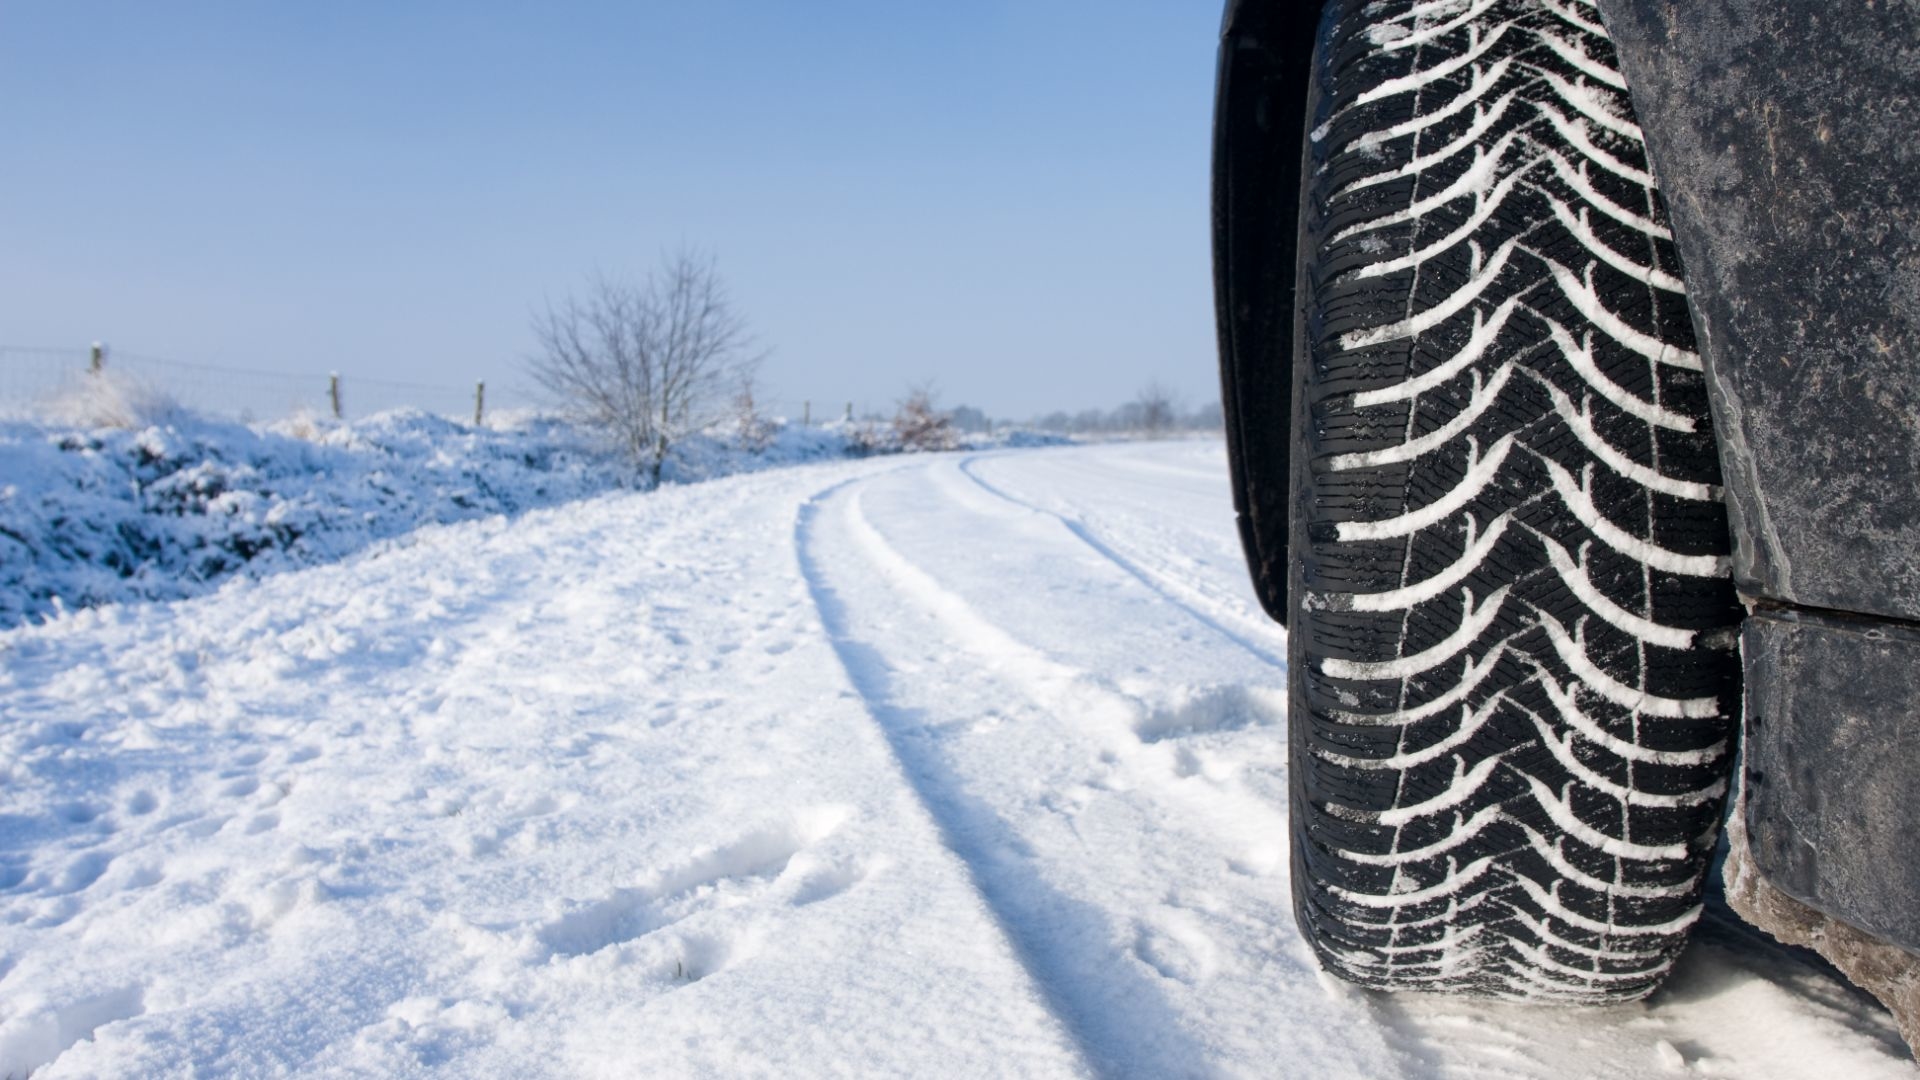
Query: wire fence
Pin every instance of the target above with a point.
(58, 383)
(36, 382)
(817, 411)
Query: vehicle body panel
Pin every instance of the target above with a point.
(1831, 756)
(1786, 138)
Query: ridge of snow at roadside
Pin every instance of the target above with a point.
(165, 504)
(957, 765)
(173, 508)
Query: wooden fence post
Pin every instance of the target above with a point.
(479, 402)
(333, 392)
(806, 414)
(99, 358)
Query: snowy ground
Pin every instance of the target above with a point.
(125, 502)
(957, 765)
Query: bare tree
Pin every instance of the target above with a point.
(1157, 409)
(646, 363)
(755, 431)
(920, 425)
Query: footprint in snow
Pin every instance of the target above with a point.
(42, 1032)
(55, 912)
(78, 813)
(1263, 860)
(201, 828)
(1191, 762)
(1172, 943)
(1217, 708)
(700, 955)
(82, 872)
(142, 877)
(832, 879)
(726, 875)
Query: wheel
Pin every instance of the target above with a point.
(1513, 662)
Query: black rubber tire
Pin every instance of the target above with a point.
(1514, 665)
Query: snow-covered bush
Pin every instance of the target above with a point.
(920, 425)
(111, 399)
(148, 501)
(111, 513)
(754, 429)
(866, 437)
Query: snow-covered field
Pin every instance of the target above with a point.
(950, 765)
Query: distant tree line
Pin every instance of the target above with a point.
(1155, 410)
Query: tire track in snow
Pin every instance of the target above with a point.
(1023, 906)
(1124, 892)
(1054, 687)
(1166, 589)
(1189, 585)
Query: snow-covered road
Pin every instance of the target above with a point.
(956, 765)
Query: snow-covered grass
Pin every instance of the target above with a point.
(169, 507)
(123, 495)
(942, 765)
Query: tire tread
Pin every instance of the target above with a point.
(1563, 867)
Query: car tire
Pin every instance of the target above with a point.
(1514, 670)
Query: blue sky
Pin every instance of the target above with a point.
(1008, 199)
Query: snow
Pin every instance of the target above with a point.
(171, 509)
(150, 501)
(961, 765)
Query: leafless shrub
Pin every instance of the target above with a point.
(920, 425)
(112, 399)
(755, 431)
(647, 363)
(866, 438)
